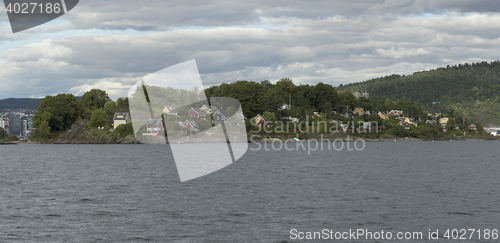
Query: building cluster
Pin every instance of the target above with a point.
(358, 94)
(17, 123)
(156, 127)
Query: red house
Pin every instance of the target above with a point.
(404, 124)
(443, 126)
(155, 127)
(472, 127)
(258, 120)
(395, 113)
(198, 113)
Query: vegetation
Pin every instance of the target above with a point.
(470, 91)
(465, 93)
(95, 99)
(3, 133)
(56, 114)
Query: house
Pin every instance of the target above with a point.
(358, 111)
(121, 118)
(383, 115)
(443, 126)
(198, 113)
(155, 127)
(444, 120)
(410, 121)
(191, 125)
(220, 115)
(395, 113)
(358, 95)
(472, 127)
(346, 114)
(292, 119)
(404, 124)
(432, 122)
(400, 118)
(206, 109)
(170, 110)
(258, 120)
(334, 121)
(346, 129)
(284, 106)
(316, 114)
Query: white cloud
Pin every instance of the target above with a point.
(328, 41)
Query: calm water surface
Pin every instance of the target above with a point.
(132, 193)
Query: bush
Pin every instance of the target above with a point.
(124, 130)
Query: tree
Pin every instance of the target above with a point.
(60, 112)
(3, 133)
(98, 118)
(43, 130)
(94, 99)
(269, 116)
(109, 105)
(124, 130)
(325, 97)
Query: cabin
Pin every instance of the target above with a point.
(220, 115)
(316, 114)
(206, 109)
(444, 120)
(395, 113)
(335, 121)
(443, 126)
(170, 110)
(404, 124)
(198, 113)
(358, 111)
(191, 125)
(258, 120)
(383, 115)
(292, 119)
(410, 121)
(472, 127)
(432, 122)
(284, 106)
(155, 127)
(121, 118)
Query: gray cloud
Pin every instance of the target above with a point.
(331, 42)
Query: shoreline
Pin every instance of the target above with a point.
(276, 140)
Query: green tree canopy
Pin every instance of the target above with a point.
(94, 99)
(98, 118)
(59, 111)
(3, 133)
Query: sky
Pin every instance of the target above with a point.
(111, 44)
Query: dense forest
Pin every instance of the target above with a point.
(468, 90)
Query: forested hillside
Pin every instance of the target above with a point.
(467, 90)
(21, 103)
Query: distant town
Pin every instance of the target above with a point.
(17, 122)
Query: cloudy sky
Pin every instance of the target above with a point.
(111, 44)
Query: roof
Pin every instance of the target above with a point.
(222, 113)
(169, 109)
(155, 122)
(198, 110)
(121, 116)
